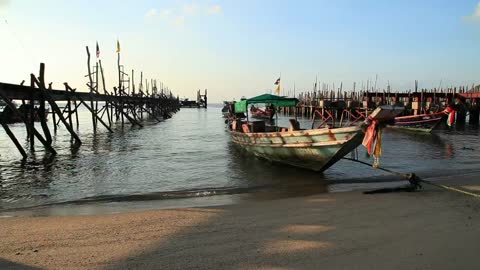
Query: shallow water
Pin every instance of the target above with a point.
(191, 155)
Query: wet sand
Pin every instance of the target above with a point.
(432, 229)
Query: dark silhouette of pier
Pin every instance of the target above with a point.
(124, 104)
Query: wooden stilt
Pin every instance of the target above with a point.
(35, 132)
(76, 113)
(91, 89)
(13, 138)
(69, 115)
(30, 121)
(69, 107)
(43, 121)
(88, 107)
(25, 114)
(107, 103)
(54, 106)
(96, 91)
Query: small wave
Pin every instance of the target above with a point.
(153, 196)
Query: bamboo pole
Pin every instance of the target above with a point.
(107, 103)
(90, 85)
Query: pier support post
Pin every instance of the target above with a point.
(90, 85)
(72, 91)
(41, 109)
(13, 138)
(54, 105)
(34, 131)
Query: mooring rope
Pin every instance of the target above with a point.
(415, 180)
(475, 195)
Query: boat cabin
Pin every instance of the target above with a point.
(247, 125)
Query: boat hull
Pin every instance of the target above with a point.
(418, 123)
(315, 150)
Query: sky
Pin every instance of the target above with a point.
(239, 48)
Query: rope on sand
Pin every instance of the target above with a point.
(415, 181)
(475, 195)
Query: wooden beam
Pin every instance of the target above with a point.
(13, 138)
(90, 109)
(55, 107)
(94, 123)
(35, 132)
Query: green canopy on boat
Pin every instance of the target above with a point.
(277, 101)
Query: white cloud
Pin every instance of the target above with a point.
(476, 14)
(215, 9)
(179, 21)
(190, 9)
(4, 7)
(4, 3)
(151, 13)
(164, 13)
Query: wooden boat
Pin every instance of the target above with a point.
(310, 149)
(268, 113)
(419, 123)
(313, 149)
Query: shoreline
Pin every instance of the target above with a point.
(111, 204)
(421, 230)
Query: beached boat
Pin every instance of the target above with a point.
(313, 149)
(419, 123)
(310, 149)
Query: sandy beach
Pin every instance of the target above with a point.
(432, 229)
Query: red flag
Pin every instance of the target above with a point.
(98, 51)
(277, 82)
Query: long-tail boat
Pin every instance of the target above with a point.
(314, 149)
(419, 123)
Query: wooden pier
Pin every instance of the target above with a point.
(339, 106)
(124, 104)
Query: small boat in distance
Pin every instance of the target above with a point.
(313, 149)
(419, 123)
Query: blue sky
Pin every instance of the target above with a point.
(237, 48)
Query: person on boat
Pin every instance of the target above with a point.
(270, 108)
(270, 111)
(452, 110)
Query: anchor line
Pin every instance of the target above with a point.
(416, 180)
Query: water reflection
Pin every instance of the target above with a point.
(285, 180)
